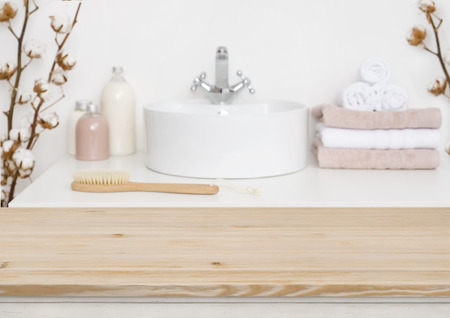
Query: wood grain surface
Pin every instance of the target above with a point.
(225, 252)
(186, 188)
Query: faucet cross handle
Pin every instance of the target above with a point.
(246, 81)
(197, 81)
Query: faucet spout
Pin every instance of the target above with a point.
(222, 67)
(222, 92)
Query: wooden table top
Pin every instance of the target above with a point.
(225, 252)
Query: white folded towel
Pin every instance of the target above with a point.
(375, 70)
(391, 97)
(360, 96)
(378, 138)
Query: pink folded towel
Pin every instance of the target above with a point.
(339, 117)
(335, 158)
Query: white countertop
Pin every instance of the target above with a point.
(311, 187)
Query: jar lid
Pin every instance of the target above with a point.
(117, 69)
(82, 104)
(92, 108)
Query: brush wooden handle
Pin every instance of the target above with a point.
(185, 188)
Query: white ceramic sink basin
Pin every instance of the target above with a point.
(198, 139)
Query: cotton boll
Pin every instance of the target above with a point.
(8, 149)
(65, 61)
(438, 86)
(23, 158)
(34, 48)
(8, 145)
(416, 35)
(7, 70)
(427, 6)
(42, 88)
(49, 120)
(24, 161)
(59, 77)
(8, 11)
(24, 96)
(20, 134)
(47, 95)
(61, 23)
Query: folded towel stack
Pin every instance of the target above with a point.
(352, 139)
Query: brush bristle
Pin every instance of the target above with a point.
(101, 177)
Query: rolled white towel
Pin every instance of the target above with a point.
(392, 98)
(360, 96)
(378, 138)
(375, 70)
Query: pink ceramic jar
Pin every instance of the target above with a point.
(92, 136)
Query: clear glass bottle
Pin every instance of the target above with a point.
(92, 136)
(80, 109)
(118, 105)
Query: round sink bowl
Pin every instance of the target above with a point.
(250, 140)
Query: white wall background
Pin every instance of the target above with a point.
(296, 50)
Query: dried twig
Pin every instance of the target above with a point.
(417, 37)
(17, 159)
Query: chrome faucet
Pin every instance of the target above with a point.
(222, 92)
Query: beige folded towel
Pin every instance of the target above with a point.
(335, 158)
(339, 117)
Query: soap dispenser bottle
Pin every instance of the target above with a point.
(118, 105)
(92, 136)
(80, 110)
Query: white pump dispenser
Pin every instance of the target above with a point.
(118, 105)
